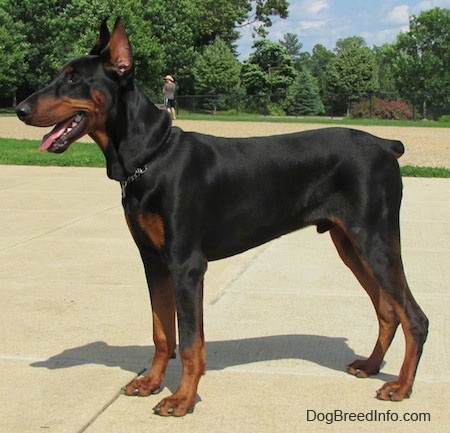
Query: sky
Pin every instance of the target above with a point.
(326, 21)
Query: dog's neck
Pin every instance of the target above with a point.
(136, 131)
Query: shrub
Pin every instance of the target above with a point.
(275, 110)
(381, 109)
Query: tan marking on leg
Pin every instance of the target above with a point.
(153, 225)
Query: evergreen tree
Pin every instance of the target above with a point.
(292, 45)
(303, 96)
(216, 70)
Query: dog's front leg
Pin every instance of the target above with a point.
(189, 301)
(164, 334)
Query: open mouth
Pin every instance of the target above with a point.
(64, 134)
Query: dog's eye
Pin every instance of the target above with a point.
(72, 78)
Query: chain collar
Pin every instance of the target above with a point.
(141, 170)
(130, 179)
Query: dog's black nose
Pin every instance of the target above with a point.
(23, 110)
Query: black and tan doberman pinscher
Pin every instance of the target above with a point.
(190, 198)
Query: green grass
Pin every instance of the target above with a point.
(412, 171)
(25, 152)
(244, 117)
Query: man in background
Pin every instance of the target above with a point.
(169, 95)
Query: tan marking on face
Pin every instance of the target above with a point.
(98, 119)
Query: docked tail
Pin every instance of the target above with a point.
(394, 146)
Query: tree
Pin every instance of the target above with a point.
(14, 45)
(320, 59)
(258, 13)
(385, 57)
(38, 29)
(353, 71)
(303, 96)
(422, 64)
(271, 61)
(254, 79)
(292, 45)
(212, 18)
(216, 70)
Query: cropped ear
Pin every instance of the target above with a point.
(117, 55)
(102, 39)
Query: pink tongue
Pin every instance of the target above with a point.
(54, 134)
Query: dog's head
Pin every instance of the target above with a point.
(79, 97)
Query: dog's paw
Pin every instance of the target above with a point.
(362, 369)
(175, 406)
(142, 387)
(393, 391)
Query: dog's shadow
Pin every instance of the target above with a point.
(329, 352)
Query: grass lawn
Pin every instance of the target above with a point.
(25, 152)
(223, 117)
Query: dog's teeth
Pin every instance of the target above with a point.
(78, 117)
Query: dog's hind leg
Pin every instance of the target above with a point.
(374, 257)
(388, 322)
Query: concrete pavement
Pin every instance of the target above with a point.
(281, 321)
